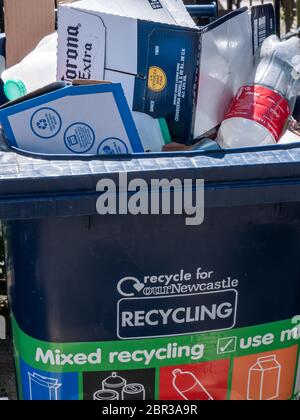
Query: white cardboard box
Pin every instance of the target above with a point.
(141, 44)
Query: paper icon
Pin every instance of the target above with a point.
(43, 388)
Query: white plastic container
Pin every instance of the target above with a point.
(35, 71)
(241, 132)
(154, 133)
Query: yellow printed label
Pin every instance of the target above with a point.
(157, 79)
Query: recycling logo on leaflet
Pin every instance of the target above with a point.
(42, 124)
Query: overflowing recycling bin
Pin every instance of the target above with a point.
(144, 307)
(113, 303)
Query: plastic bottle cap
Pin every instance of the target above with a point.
(14, 89)
(164, 130)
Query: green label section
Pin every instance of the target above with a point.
(154, 353)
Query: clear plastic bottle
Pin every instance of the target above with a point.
(154, 132)
(260, 110)
(35, 71)
(189, 387)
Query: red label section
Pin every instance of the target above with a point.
(263, 106)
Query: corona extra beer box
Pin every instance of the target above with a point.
(155, 50)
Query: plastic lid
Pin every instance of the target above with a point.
(14, 89)
(165, 130)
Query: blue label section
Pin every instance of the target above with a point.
(176, 315)
(48, 386)
(175, 54)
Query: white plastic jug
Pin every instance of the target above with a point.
(35, 71)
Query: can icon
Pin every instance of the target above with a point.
(114, 383)
(264, 379)
(189, 387)
(105, 395)
(133, 392)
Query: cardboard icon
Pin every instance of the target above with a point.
(264, 379)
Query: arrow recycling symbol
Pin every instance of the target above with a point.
(137, 285)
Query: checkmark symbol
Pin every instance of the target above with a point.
(227, 345)
(224, 348)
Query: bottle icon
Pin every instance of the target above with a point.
(264, 379)
(189, 387)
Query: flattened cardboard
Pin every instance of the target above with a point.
(83, 119)
(26, 23)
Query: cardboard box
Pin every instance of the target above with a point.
(86, 119)
(228, 46)
(157, 59)
(26, 23)
(139, 43)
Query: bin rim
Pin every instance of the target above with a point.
(34, 187)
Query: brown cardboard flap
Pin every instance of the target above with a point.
(26, 23)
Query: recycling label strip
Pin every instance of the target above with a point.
(254, 363)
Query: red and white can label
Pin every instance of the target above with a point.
(262, 105)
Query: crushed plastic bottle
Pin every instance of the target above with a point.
(35, 71)
(259, 113)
